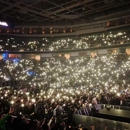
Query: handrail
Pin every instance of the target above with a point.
(102, 106)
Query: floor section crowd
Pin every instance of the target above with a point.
(48, 92)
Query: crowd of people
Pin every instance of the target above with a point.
(57, 44)
(35, 104)
(51, 90)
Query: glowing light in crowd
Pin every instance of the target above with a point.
(3, 23)
(82, 42)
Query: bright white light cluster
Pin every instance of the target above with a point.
(83, 72)
(108, 72)
(105, 73)
(19, 70)
(90, 41)
(65, 79)
(54, 44)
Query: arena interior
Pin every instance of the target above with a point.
(64, 65)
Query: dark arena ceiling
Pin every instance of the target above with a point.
(55, 12)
